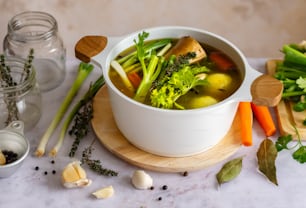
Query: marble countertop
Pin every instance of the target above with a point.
(32, 188)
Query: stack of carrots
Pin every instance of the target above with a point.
(262, 115)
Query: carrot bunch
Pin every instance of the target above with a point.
(262, 114)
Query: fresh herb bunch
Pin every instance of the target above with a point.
(95, 165)
(7, 80)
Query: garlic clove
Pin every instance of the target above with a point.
(2, 158)
(78, 183)
(74, 176)
(142, 180)
(104, 192)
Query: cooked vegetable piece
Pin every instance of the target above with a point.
(222, 62)
(218, 84)
(187, 45)
(134, 78)
(122, 75)
(177, 85)
(199, 102)
(246, 118)
(264, 118)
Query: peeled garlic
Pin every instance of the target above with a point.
(104, 192)
(74, 176)
(2, 158)
(141, 180)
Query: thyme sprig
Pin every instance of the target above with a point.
(7, 80)
(95, 165)
(81, 126)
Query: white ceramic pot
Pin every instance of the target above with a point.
(174, 133)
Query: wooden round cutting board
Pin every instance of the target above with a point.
(109, 135)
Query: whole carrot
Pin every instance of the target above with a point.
(264, 118)
(246, 118)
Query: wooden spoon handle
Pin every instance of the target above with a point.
(89, 46)
(266, 90)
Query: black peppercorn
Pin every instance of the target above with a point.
(185, 173)
(159, 198)
(53, 172)
(46, 173)
(36, 168)
(165, 187)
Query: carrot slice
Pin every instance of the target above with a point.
(222, 61)
(134, 78)
(246, 117)
(264, 118)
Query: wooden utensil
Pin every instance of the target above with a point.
(265, 90)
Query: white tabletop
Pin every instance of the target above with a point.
(31, 188)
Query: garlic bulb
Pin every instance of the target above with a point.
(74, 176)
(141, 180)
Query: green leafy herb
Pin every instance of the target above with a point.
(282, 142)
(266, 156)
(299, 154)
(95, 165)
(229, 171)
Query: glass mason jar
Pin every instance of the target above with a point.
(22, 99)
(38, 30)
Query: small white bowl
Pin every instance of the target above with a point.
(12, 139)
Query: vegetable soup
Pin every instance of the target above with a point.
(174, 73)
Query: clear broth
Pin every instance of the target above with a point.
(192, 96)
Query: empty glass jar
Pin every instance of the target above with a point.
(38, 30)
(20, 97)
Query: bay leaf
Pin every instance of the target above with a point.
(266, 156)
(229, 170)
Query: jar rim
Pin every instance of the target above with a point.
(27, 19)
(25, 85)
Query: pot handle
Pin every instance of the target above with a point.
(266, 90)
(89, 46)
